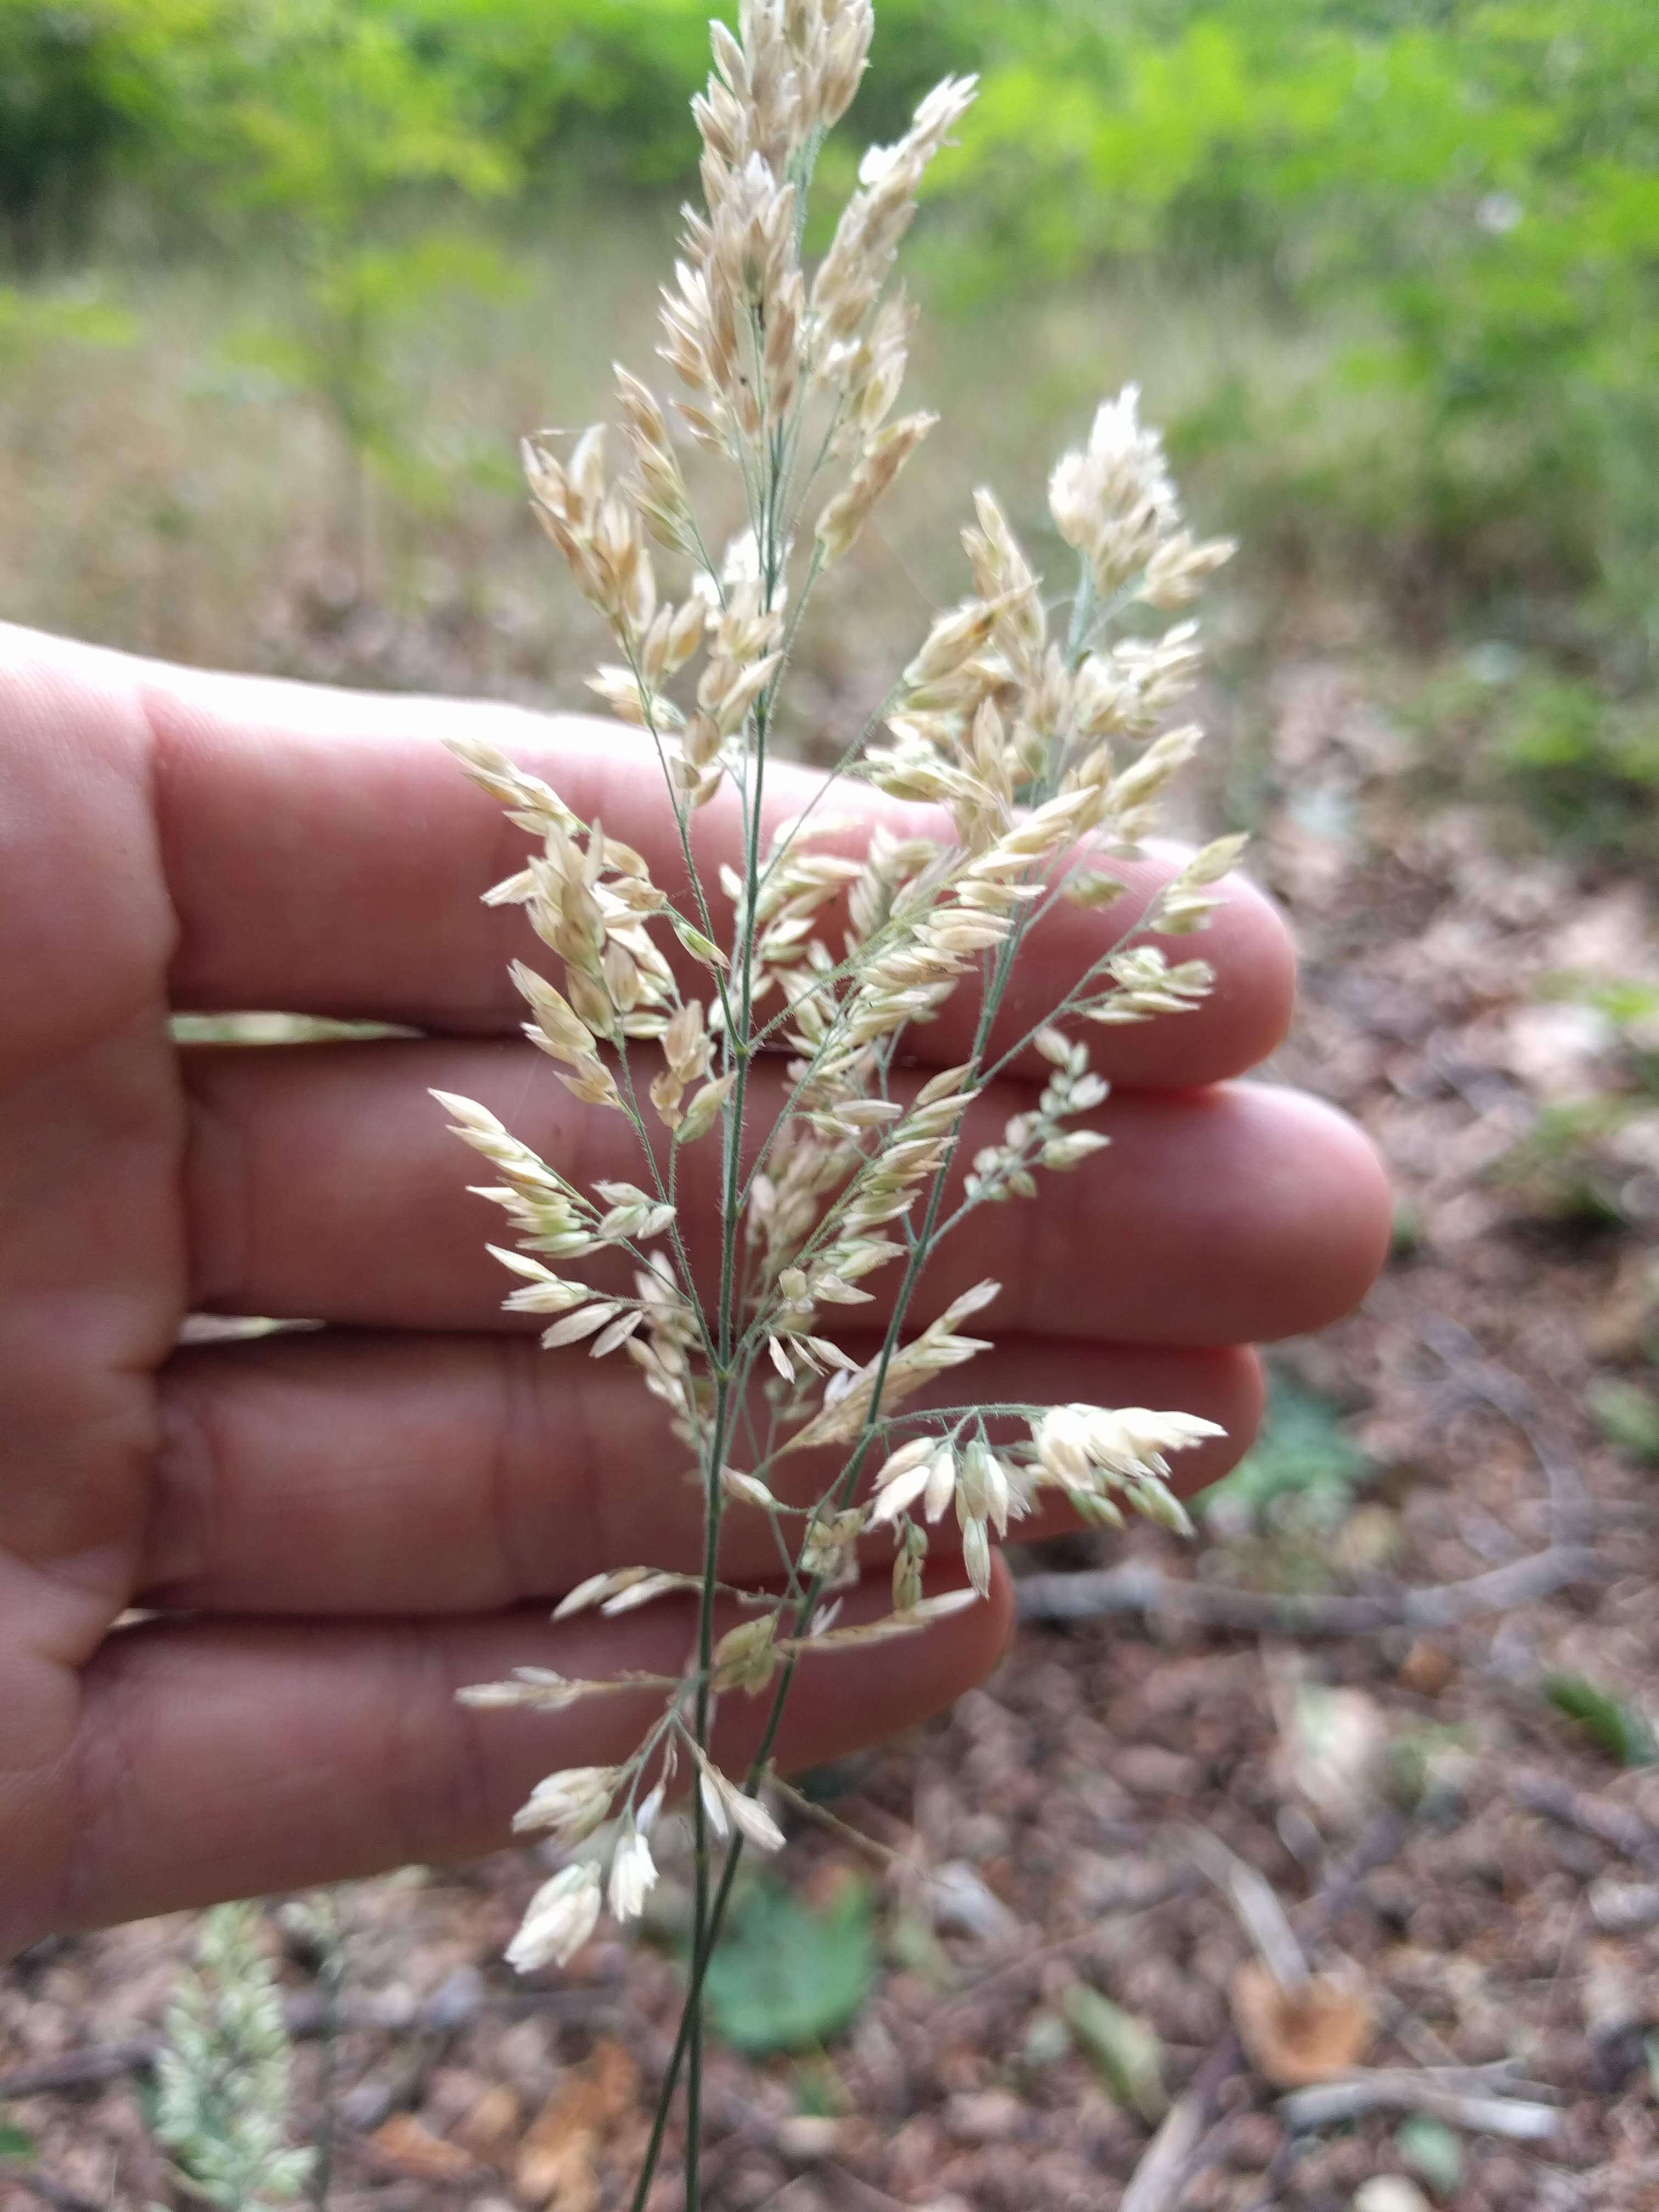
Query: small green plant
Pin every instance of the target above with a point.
(1576, 1164)
(324, 128)
(1584, 763)
(1125, 2050)
(1303, 1467)
(787, 1976)
(222, 2093)
(1628, 1416)
(1610, 1724)
(1431, 2148)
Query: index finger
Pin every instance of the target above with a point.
(325, 856)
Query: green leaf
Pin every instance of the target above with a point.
(1304, 1451)
(14, 2143)
(1627, 1416)
(1126, 2053)
(915, 1949)
(1430, 2147)
(1610, 1724)
(820, 2093)
(1048, 2039)
(787, 1978)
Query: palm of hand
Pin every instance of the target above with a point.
(333, 1530)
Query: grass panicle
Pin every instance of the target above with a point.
(1038, 733)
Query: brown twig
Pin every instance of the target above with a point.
(1616, 1825)
(1481, 2098)
(1030, 1964)
(1134, 1587)
(1476, 1377)
(1379, 1842)
(1567, 1560)
(79, 2069)
(1177, 2151)
(47, 2191)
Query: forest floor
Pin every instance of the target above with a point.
(1472, 1877)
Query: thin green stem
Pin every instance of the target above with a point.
(681, 823)
(995, 1410)
(842, 1491)
(666, 1193)
(849, 754)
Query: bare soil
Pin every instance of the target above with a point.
(1404, 1834)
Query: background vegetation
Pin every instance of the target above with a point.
(285, 275)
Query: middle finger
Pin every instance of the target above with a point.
(322, 1183)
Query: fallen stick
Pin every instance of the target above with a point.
(1174, 2153)
(1616, 1825)
(79, 2069)
(1030, 1964)
(1483, 2109)
(52, 2193)
(1136, 1587)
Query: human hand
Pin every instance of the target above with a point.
(333, 1530)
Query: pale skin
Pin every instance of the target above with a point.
(331, 1530)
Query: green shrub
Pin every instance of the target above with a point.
(1475, 180)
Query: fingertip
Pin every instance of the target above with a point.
(1247, 1013)
(1241, 1020)
(994, 1622)
(1335, 1220)
(1248, 945)
(1235, 1398)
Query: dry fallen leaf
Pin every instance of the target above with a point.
(1311, 2033)
(555, 2165)
(1428, 1668)
(490, 2128)
(410, 2149)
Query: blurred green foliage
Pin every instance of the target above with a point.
(323, 127)
(1611, 1724)
(1125, 2049)
(1433, 2150)
(787, 1976)
(1628, 1416)
(35, 317)
(1572, 746)
(1303, 1464)
(1456, 202)
(1480, 177)
(1573, 1167)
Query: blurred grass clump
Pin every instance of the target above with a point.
(284, 275)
